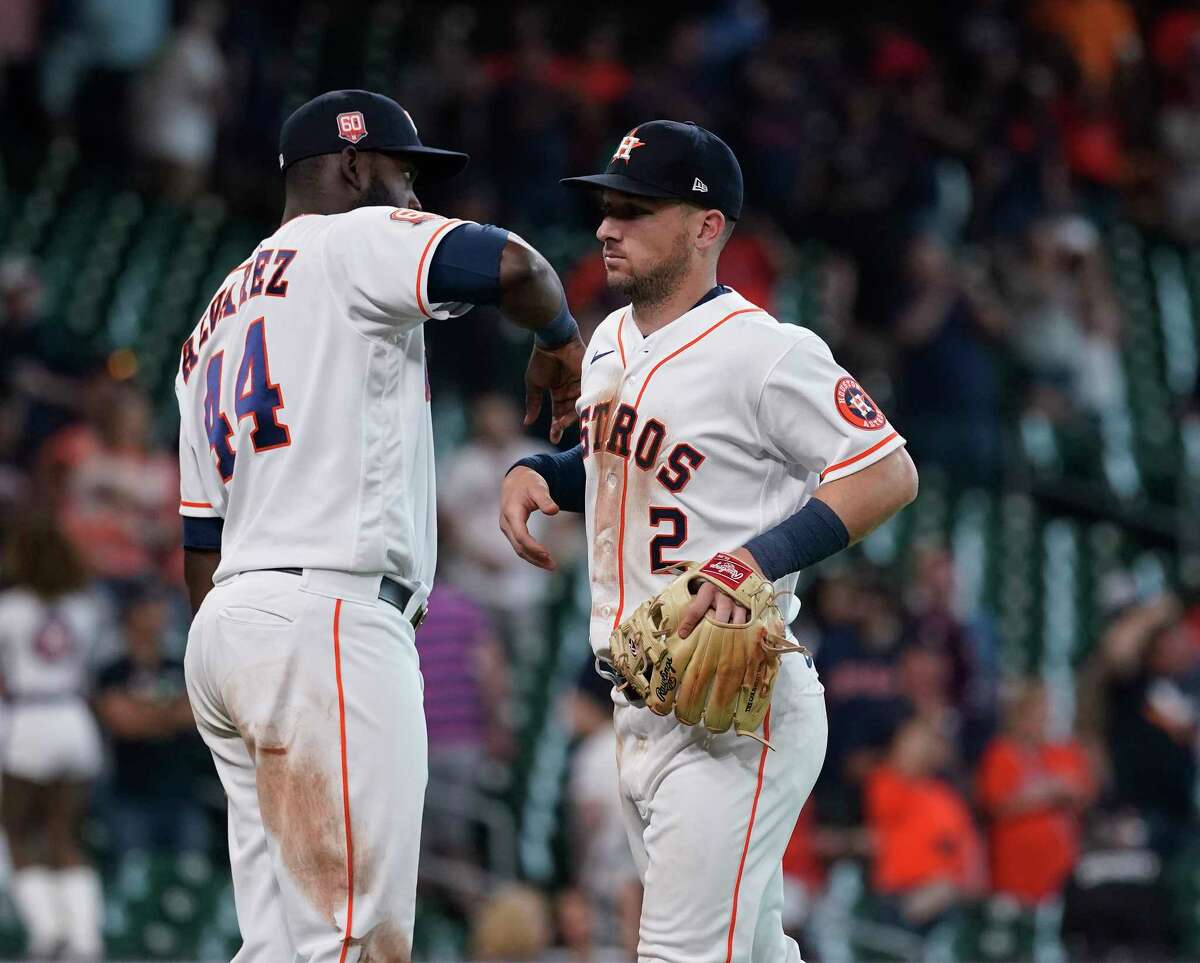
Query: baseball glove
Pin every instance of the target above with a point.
(723, 673)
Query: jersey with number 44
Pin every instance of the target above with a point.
(702, 435)
(304, 402)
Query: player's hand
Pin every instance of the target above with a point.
(557, 370)
(522, 493)
(710, 600)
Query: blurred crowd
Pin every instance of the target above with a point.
(942, 177)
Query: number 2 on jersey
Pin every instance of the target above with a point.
(255, 396)
(673, 539)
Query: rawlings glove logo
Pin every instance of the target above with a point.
(727, 569)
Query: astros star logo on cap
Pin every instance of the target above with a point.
(628, 143)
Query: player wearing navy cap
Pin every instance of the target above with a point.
(706, 427)
(307, 495)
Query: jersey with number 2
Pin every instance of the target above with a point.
(703, 434)
(304, 399)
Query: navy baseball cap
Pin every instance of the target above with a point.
(664, 158)
(359, 118)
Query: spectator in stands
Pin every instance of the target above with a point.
(1150, 717)
(121, 500)
(477, 555)
(50, 625)
(858, 656)
(948, 394)
(469, 724)
(142, 702)
(1034, 790)
(178, 104)
(968, 672)
(1179, 136)
(1067, 322)
(928, 856)
(92, 63)
(604, 875)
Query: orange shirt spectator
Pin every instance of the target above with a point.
(1100, 33)
(923, 832)
(922, 827)
(1033, 790)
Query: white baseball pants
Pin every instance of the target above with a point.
(709, 817)
(307, 691)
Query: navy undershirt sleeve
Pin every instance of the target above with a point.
(565, 476)
(202, 534)
(465, 268)
(812, 534)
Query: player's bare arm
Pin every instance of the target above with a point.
(862, 501)
(198, 569)
(531, 295)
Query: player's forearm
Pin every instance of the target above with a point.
(198, 570)
(868, 498)
(838, 515)
(531, 294)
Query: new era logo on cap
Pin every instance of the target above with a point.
(351, 126)
(699, 185)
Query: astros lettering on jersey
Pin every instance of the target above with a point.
(703, 434)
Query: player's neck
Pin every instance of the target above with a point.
(650, 316)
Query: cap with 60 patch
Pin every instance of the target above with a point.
(368, 121)
(664, 158)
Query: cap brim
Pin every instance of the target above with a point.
(617, 182)
(432, 162)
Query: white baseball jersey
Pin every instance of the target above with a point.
(304, 399)
(46, 648)
(708, 432)
(46, 653)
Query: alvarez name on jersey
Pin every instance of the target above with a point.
(318, 336)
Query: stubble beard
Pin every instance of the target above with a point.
(651, 288)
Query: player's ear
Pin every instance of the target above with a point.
(709, 229)
(353, 167)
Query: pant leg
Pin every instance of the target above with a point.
(713, 815)
(256, 895)
(325, 694)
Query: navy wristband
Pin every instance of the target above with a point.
(561, 329)
(812, 534)
(564, 473)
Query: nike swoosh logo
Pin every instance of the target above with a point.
(600, 354)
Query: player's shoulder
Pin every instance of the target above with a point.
(754, 330)
(399, 220)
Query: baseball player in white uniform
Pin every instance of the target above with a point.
(50, 625)
(706, 426)
(306, 456)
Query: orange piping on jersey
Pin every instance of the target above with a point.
(737, 885)
(625, 472)
(861, 455)
(421, 263)
(620, 340)
(195, 504)
(337, 668)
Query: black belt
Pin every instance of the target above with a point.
(396, 595)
